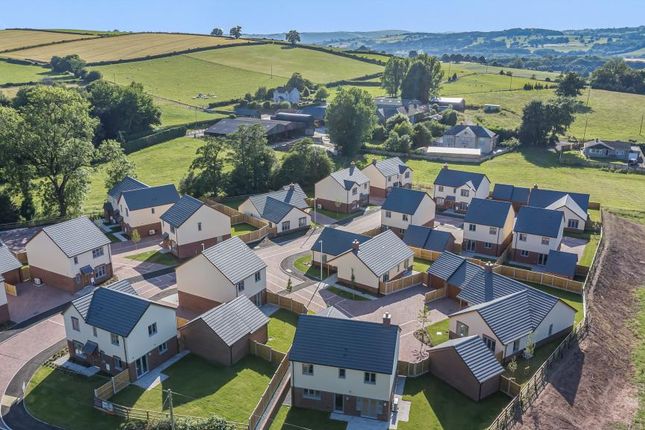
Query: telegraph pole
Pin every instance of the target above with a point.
(641, 129)
(172, 414)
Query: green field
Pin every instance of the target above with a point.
(15, 39)
(19, 73)
(175, 114)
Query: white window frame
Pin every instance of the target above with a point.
(369, 378)
(492, 231)
(342, 373)
(76, 324)
(465, 193)
(521, 237)
(307, 369)
(152, 329)
(461, 329)
(98, 252)
(404, 217)
(114, 339)
(199, 226)
(162, 348)
(546, 240)
(258, 276)
(472, 227)
(524, 253)
(286, 225)
(310, 394)
(388, 214)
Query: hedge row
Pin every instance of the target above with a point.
(154, 139)
(356, 81)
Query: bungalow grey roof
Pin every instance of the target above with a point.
(76, 236)
(391, 166)
(127, 184)
(179, 213)
(538, 221)
(511, 193)
(426, 238)
(476, 356)
(336, 242)
(349, 176)
(544, 198)
(272, 127)
(331, 312)
(233, 320)
(615, 145)
(403, 200)
(456, 178)
(382, 252)
(364, 346)
(234, 259)
(150, 197)
(317, 112)
(387, 107)
(275, 210)
(477, 129)
(289, 194)
(561, 263)
(488, 212)
(8, 261)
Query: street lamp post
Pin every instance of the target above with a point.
(321, 260)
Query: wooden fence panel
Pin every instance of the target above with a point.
(435, 294)
(413, 370)
(269, 392)
(117, 383)
(267, 353)
(373, 232)
(10, 289)
(286, 303)
(402, 283)
(541, 278)
(425, 254)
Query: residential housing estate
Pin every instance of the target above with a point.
(331, 243)
(141, 208)
(574, 206)
(404, 207)
(488, 227)
(387, 174)
(111, 210)
(345, 191)
(536, 232)
(455, 189)
(284, 209)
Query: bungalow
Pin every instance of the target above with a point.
(468, 365)
(488, 227)
(613, 150)
(4, 305)
(343, 191)
(417, 236)
(345, 366)
(284, 209)
(454, 189)
(70, 255)
(574, 206)
(561, 264)
(537, 231)
(469, 136)
(141, 209)
(387, 174)
(404, 207)
(219, 274)
(190, 226)
(387, 107)
(379, 259)
(111, 207)
(9, 265)
(331, 243)
(114, 329)
(518, 196)
(223, 334)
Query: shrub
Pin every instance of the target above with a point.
(397, 143)
(284, 105)
(394, 120)
(379, 134)
(449, 117)
(404, 129)
(92, 76)
(266, 105)
(422, 134)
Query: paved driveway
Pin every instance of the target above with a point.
(33, 300)
(574, 245)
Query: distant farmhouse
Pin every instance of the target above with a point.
(613, 150)
(456, 103)
(469, 136)
(285, 95)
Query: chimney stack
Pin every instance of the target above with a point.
(488, 267)
(445, 165)
(387, 318)
(374, 161)
(356, 245)
(292, 187)
(535, 186)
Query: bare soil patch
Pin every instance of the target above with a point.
(592, 387)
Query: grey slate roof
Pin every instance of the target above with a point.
(8, 261)
(457, 178)
(335, 242)
(275, 210)
(476, 356)
(427, 238)
(331, 312)
(538, 221)
(76, 236)
(477, 129)
(127, 184)
(233, 320)
(349, 176)
(179, 213)
(143, 198)
(561, 263)
(82, 304)
(511, 193)
(488, 212)
(234, 259)
(382, 252)
(364, 346)
(542, 198)
(391, 166)
(290, 197)
(616, 145)
(403, 200)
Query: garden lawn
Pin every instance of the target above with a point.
(156, 257)
(242, 228)
(436, 405)
(202, 389)
(282, 329)
(65, 400)
(421, 265)
(345, 294)
(439, 331)
(291, 418)
(176, 114)
(304, 265)
(526, 368)
(593, 239)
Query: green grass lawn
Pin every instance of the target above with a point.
(332, 214)
(436, 405)
(421, 265)
(202, 389)
(290, 418)
(176, 114)
(345, 294)
(282, 329)
(439, 331)
(303, 264)
(242, 228)
(234, 202)
(156, 257)
(593, 239)
(65, 400)
(19, 73)
(526, 368)
(632, 215)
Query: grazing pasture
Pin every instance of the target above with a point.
(16, 39)
(20, 73)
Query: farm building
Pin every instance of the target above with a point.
(428, 238)
(286, 95)
(333, 242)
(404, 207)
(456, 103)
(345, 190)
(275, 129)
(141, 209)
(536, 232)
(387, 174)
(455, 189)
(488, 227)
(284, 209)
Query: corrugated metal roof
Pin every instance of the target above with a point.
(538, 221)
(76, 236)
(457, 178)
(426, 238)
(404, 200)
(128, 183)
(8, 261)
(561, 263)
(143, 198)
(391, 166)
(233, 320)
(229, 126)
(350, 176)
(478, 130)
(179, 213)
(346, 344)
(234, 259)
(335, 242)
(381, 253)
(488, 212)
(511, 193)
(476, 356)
(543, 198)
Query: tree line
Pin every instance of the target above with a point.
(416, 78)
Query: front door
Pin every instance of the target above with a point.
(338, 403)
(141, 365)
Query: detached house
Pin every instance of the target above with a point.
(344, 366)
(70, 255)
(454, 189)
(384, 175)
(379, 259)
(613, 150)
(404, 207)
(286, 95)
(114, 329)
(9, 265)
(219, 274)
(333, 242)
(190, 226)
(537, 231)
(141, 209)
(469, 136)
(111, 210)
(284, 209)
(518, 196)
(574, 206)
(345, 190)
(488, 227)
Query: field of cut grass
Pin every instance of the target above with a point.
(123, 47)
(19, 73)
(176, 114)
(484, 83)
(483, 68)
(15, 39)
(372, 56)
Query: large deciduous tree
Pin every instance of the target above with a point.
(236, 31)
(350, 119)
(254, 163)
(423, 78)
(570, 85)
(543, 122)
(206, 175)
(395, 70)
(117, 164)
(217, 32)
(292, 37)
(305, 164)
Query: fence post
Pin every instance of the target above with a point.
(113, 386)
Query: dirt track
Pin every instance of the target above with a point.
(592, 387)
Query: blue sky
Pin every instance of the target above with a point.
(267, 16)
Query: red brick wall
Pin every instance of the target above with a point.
(54, 279)
(327, 401)
(195, 303)
(154, 358)
(203, 342)
(341, 207)
(377, 192)
(4, 313)
(358, 286)
(532, 258)
(191, 249)
(12, 276)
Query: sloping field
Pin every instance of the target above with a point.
(483, 83)
(124, 47)
(15, 39)
(18, 73)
